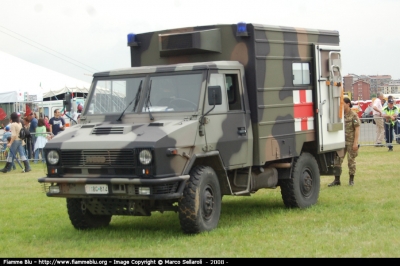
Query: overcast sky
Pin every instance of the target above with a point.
(91, 34)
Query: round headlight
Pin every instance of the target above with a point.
(145, 157)
(53, 157)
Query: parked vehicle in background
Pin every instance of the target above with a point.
(367, 115)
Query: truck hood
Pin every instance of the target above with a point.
(105, 135)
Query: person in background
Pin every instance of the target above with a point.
(46, 123)
(79, 108)
(377, 113)
(7, 133)
(15, 145)
(352, 133)
(390, 113)
(6, 139)
(33, 122)
(27, 142)
(41, 140)
(57, 123)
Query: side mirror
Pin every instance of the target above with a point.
(67, 102)
(214, 95)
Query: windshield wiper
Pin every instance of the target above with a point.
(148, 102)
(136, 99)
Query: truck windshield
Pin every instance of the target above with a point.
(179, 93)
(113, 95)
(168, 93)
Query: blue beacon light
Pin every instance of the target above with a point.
(241, 29)
(131, 38)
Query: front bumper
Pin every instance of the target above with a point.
(119, 188)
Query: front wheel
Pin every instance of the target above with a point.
(302, 190)
(200, 205)
(83, 218)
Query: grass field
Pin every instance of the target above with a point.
(359, 221)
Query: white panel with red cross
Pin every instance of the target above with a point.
(303, 110)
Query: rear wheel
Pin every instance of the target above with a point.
(302, 190)
(200, 205)
(82, 218)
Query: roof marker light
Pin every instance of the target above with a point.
(242, 29)
(132, 40)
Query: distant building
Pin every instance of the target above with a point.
(361, 90)
(357, 86)
(379, 81)
(348, 83)
(393, 87)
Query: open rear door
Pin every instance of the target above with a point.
(328, 76)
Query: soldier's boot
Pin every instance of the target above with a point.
(27, 166)
(336, 182)
(7, 168)
(351, 180)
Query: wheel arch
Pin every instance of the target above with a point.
(213, 160)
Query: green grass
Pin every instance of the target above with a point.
(359, 221)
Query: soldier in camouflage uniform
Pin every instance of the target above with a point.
(352, 132)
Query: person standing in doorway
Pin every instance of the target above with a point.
(352, 133)
(377, 113)
(57, 123)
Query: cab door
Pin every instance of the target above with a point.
(227, 126)
(329, 87)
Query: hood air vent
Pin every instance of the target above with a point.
(87, 126)
(108, 130)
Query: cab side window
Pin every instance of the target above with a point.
(231, 98)
(232, 91)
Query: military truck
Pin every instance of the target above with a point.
(203, 112)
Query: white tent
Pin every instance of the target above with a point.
(59, 91)
(23, 81)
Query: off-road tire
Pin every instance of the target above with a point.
(200, 205)
(84, 219)
(302, 190)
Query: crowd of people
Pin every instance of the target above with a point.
(40, 130)
(386, 121)
(385, 118)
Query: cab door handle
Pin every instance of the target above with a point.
(242, 131)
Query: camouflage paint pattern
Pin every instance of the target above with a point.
(263, 61)
(267, 54)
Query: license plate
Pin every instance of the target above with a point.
(96, 189)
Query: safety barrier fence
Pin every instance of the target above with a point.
(4, 151)
(368, 130)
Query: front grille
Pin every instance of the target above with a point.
(98, 158)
